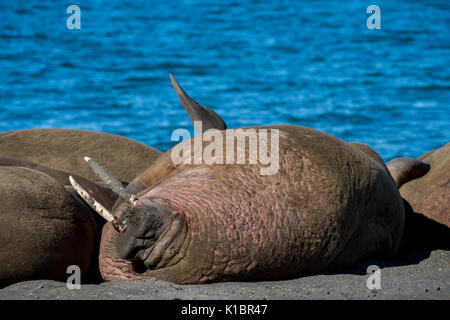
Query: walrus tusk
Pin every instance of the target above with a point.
(111, 181)
(197, 112)
(94, 204)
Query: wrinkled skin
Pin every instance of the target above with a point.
(45, 228)
(430, 194)
(330, 204)
(65, 149)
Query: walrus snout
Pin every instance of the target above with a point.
(142, 229)
(146, 234)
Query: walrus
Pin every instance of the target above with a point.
(62, 149)
(329, 204)
(425, 186)
(46, 227)
(425, 182)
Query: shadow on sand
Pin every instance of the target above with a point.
(421, 236)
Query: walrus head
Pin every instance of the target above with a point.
(149, 229)
(145, 228)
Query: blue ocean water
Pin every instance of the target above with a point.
(310, 63)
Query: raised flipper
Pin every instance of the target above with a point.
(405, 169)
(197, 112)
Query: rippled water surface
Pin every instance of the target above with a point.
(310, 63)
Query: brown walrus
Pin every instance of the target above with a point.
(329, 204)
(46, 227)
(425, 183)
(63, 149)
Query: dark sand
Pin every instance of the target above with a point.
(424, 275)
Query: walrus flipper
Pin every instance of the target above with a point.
(405, 169)
(197, 112)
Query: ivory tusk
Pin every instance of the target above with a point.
(101, 210)
(111, 181)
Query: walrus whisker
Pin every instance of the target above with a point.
(113, 183)
(197, 112)
(94, 204)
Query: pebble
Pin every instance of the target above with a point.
(372, 293)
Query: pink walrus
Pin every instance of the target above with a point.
(329, 204)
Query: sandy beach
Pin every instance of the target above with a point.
(423, 275)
